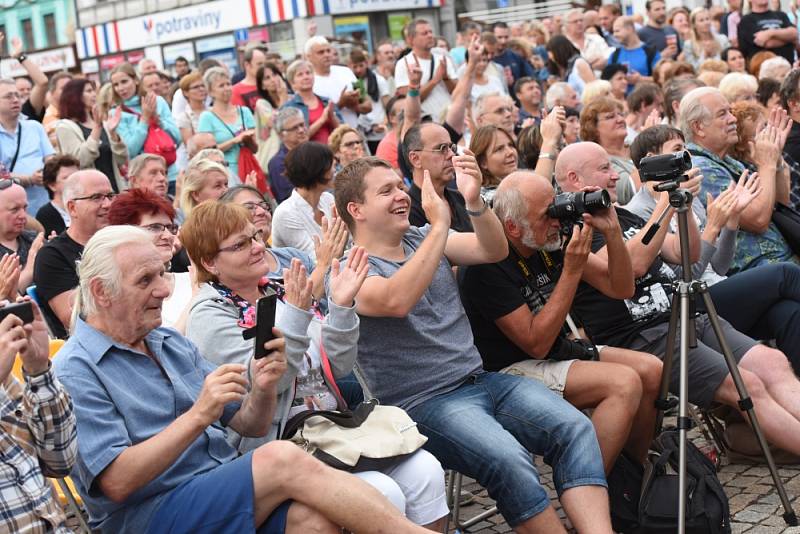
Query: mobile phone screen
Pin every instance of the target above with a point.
(265, 320)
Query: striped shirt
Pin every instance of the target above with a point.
(38, 439)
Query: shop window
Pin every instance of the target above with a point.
(50, 29)
(27, 34)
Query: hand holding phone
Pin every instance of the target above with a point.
(265, 320)
(23, 310)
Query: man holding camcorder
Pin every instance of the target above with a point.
(642, 322)
(518, 307)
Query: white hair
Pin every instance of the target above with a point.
(98, 262)
(509, 205)
(73, 188)
(734, 83)
(212, 75)
(775, 67)
(555, 94)
(317, 40)
(692, 110)
(478, 108)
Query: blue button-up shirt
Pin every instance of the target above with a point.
(752, 250)
(34, 146)
(122, 398)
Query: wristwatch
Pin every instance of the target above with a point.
(21, 58)
(480, 211)
(547, 155)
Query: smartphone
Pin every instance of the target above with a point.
(23, 310)
(265, 320)
(672, 39)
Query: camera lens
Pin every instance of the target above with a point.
(594, 201)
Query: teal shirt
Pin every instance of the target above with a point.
(211, 123)
(752, 249)
(134, 132)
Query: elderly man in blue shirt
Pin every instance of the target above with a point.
(24, 147)
(151, 412)
(705, 118)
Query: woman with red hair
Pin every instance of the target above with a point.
(142, 208)
(87, 134)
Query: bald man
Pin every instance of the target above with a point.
(87, 196)
(14, 238)
(642, 322)
(518, 307)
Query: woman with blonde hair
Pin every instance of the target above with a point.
(204, 180)
(738, 87)
(346, 144)
(594, 90)
(704, 43)
(141, 110)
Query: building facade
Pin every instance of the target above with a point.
(111, 32)
(46, 28)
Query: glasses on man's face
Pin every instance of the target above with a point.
(264, 205)
(98, 197)
(352, 144)
(240, 245)
(11, 96)
(158, 228)
(441, 149)
(5, 183)
(503, 110)
(295, 129)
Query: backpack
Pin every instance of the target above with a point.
(653, 509)
(649, 51)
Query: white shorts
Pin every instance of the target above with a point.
(551, 373)
(415, 486)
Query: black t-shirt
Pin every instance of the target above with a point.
(51, 219)
(31, 113)
(756, 22)
(459, 219)
(54, 273)
(105, 161)
(616, 322)
(24, 242)
(492, 291)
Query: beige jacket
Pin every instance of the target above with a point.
(71, 141)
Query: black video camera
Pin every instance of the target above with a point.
(666, 167)
(569, 207)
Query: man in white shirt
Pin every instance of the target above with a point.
(593, 48)
(438, 73)
(372, 124)
(335, 82)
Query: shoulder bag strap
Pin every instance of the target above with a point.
(19, 142)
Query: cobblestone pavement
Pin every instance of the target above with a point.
(754, 502)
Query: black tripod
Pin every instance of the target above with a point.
(684, 293)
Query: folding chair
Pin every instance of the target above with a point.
(454, 483)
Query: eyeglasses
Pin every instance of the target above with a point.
(264, 205)
(240, 245)
(158, 228)
(198, 86)
(502, 110)
(611, 116)
(352, 144)
(11, 96)
(5, 183)
(98, 197)
(296, 129)
(441, 149)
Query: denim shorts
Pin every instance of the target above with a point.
(217, 501)
(489, 427)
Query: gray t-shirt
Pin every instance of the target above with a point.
(409, 360)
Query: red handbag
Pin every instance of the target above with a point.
(158, 141)
(247, 164)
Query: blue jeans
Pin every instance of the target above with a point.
(764, 303)
(489, 427)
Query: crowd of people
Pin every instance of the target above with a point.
(398, 206)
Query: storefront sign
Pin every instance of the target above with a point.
(339, 7)
(48, 61)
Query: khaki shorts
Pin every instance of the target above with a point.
(551, 373)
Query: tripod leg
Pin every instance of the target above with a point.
(684, 423)
(746, 405)
(666, 369)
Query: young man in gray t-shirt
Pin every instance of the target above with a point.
(416, 351)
